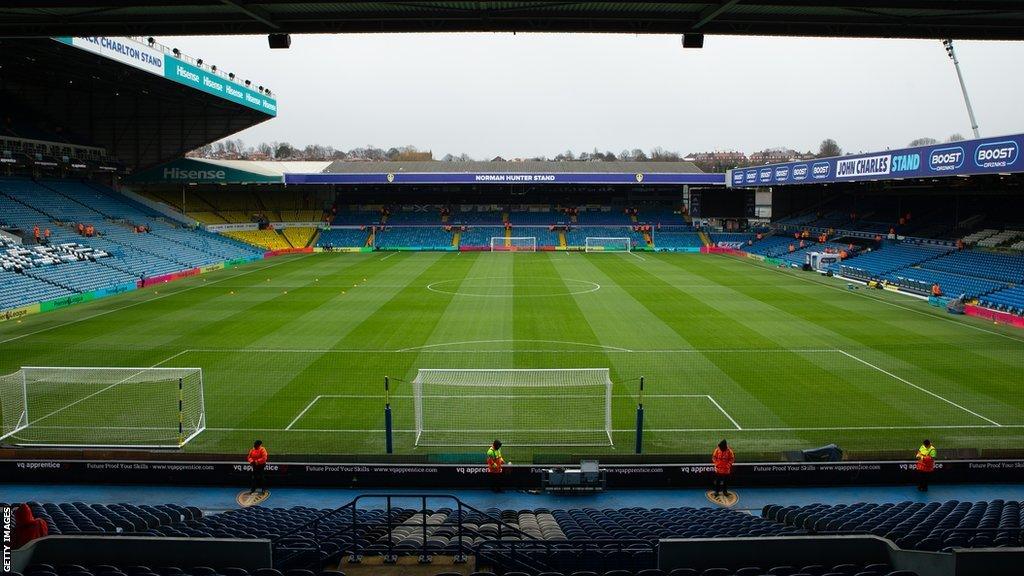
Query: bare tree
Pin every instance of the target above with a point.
(926, 141)
(828, 148)
(957, 137)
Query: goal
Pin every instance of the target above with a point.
(102, 407)
(605, 244)
(520, 407)
(514, 244)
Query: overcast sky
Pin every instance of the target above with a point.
(540, 94)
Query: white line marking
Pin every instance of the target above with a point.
(12, 339)
(304, 410)
(601, 346)
(388, 256)
(590, 287)
(731, 419)
(912, 385)
(98, 392)
(677, 430)
(863, 294)
(605, 349)
(642, 259)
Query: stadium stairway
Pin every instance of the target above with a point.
(704, 237)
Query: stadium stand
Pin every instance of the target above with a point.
(577, 236)
(350, 217)
(343, 238)
(1006, 300)
(892, 256)
(993, 266)
(469, 215)
(300, 237)
(669, 239)
(576, 541)
(920, 280)
(414, 217)
(269, 239)
(929, 526)
(19, 290)
(731, 238)
(117, 253)
(430, 237)
(536, 218)
(603, 216)
(1000, 238)
(659, 215)
(478, 236)
(770, 246)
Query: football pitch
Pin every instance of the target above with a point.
(294, 351)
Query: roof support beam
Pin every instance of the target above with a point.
(712, 12)
(254, 12)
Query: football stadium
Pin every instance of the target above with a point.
(228, 364)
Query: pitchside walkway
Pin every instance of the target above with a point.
(216, 499)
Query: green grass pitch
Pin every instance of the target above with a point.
(294, 351)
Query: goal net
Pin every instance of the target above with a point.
(514, 244)
(520, 407)
(603, 244)
(102, 407)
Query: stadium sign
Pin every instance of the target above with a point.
(191, 171)
(507, 178)
(969, 157)
(138, 55)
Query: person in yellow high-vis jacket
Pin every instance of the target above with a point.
(925, 464)
(495, 464)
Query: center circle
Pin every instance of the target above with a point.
(506, 287)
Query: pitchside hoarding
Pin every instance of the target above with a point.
(505, 178)
(996, 155)
(138, 55)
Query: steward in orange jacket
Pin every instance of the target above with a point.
(258, 460)
(723, 458)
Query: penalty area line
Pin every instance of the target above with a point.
(304, 410)
(722, 410)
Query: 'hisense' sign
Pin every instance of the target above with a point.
(194, 175)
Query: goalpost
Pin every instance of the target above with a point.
(514, 244)
(608, 244)
(99, 407)
(520, 407)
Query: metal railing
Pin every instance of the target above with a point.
(198, 63)
(305, 545)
